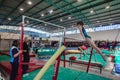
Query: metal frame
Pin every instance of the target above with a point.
(21, 47)
(44, 22)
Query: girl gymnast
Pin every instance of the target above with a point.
(88, 38)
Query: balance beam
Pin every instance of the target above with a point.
(73, 52)
(50, 62)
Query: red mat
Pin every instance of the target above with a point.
(5, 53)
(37, 64)
(34, 64)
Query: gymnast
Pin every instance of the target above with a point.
(88, 38)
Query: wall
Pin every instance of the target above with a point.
(100, 35)
(6, 40)
(5, 44)
(6, 35)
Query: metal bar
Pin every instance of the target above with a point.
(91, 52)
(71, 38)
(64, 61)
(56, 68)
(21, 48)
(45, 22)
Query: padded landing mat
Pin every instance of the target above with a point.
(36, 64)
(65, 74)
(5, 53)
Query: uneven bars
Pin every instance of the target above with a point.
(70, 38)
(45, 22)
(50, 62)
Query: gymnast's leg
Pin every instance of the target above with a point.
(91, 43)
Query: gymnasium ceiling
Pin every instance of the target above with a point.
(66, 13)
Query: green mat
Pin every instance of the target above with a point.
(65, 74)
(106, 52)
(117, 59)
(4, 58)
(46, 51)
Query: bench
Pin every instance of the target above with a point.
(94, 64)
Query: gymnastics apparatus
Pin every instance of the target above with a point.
(55, 58)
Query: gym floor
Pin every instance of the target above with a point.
(105, 72)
